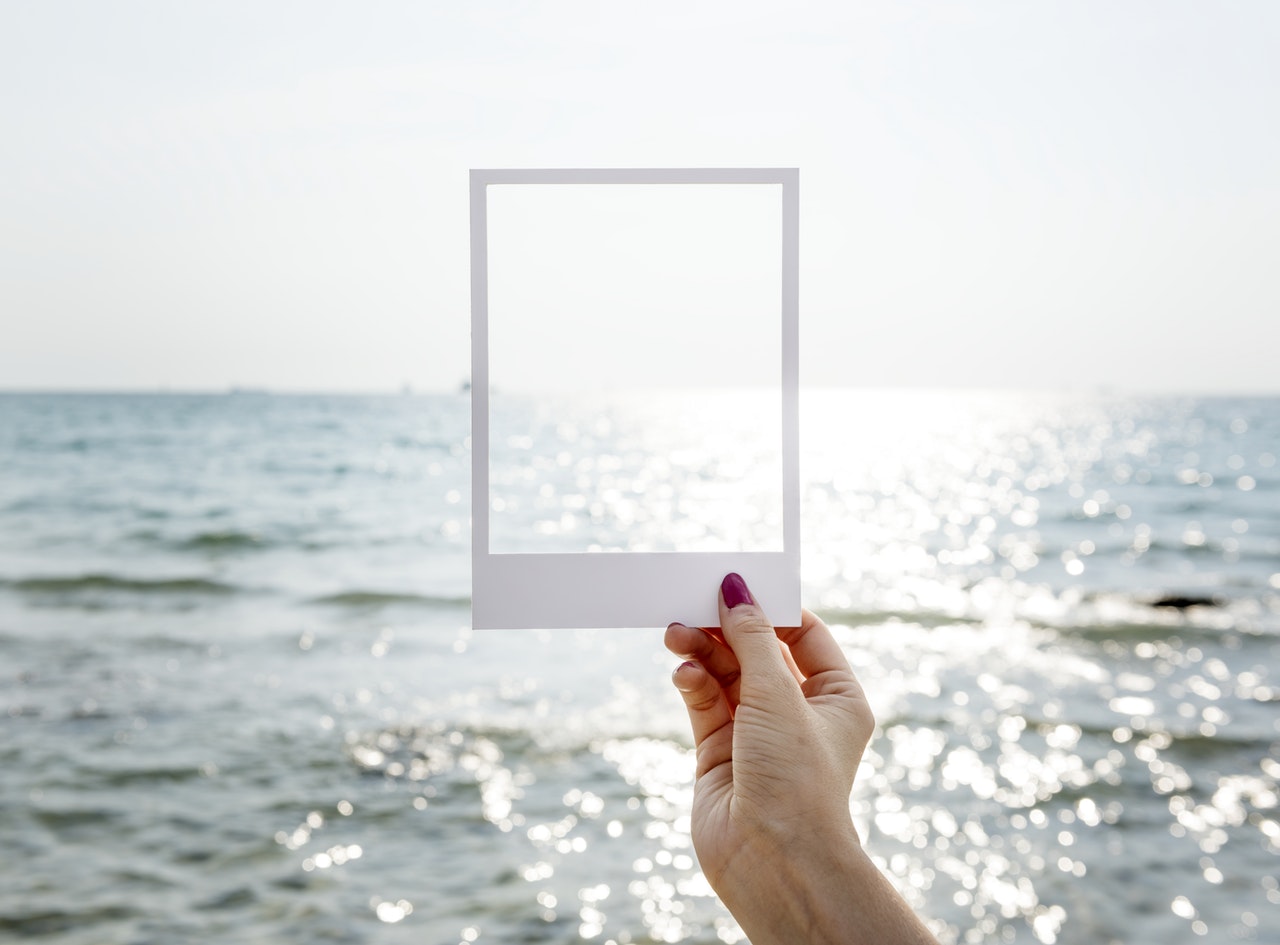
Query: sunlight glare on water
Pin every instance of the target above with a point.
(246, 699)
(653, 471)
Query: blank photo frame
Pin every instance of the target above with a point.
(626, 588)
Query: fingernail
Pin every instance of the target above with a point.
(735, 591)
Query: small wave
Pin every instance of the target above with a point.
(67, 818)
(928, 619)
(1134, 633)
(1207, 547)
(1095, 616)
(135, 777)
(229, 899)
(76, 583)
(38, 921)
(387, 598)
(224, 540)
(1184, 601)
(1197, 747)
(419, 753)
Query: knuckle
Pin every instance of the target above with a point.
(702, 700)
(751, 621)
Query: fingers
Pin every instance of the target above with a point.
(692, 643)
(813, 647)
(789, 659)
(807, 654)
(805, 660)
(825, 669)
(748, 631)
(709, 714)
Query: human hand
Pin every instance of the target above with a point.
(780, 724)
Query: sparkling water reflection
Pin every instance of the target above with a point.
(639, 471)
(242, 700)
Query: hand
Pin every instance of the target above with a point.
(780, 724)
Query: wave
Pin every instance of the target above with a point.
(48, 921)
(929, 619)
(226, 540)
(1134, 633)
(135, 777)
(103, 582)
(359, 598)
(1101, 615)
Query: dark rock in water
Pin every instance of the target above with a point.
(1182, 602)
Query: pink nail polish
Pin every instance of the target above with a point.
(676, 672)
(735, 592)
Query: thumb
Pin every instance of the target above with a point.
(753, 640)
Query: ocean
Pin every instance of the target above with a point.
(240, 699)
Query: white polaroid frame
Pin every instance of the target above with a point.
(630, 589)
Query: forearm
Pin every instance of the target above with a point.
(823, 892)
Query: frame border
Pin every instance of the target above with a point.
(608, 589)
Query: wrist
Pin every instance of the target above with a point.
(819, 889)
(786, 887)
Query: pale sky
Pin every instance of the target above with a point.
(582, 277)
(1000, 194)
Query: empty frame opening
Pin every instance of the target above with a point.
(635, 367)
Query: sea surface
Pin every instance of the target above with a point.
(240, 700)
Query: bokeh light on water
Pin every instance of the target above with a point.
(656, 470)
(242, 701)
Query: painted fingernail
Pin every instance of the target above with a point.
(735, 591)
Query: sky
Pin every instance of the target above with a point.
(693, 268)
(1077, 195)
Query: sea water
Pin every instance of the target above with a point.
(240, 699)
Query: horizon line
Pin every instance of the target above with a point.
(409, 390)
